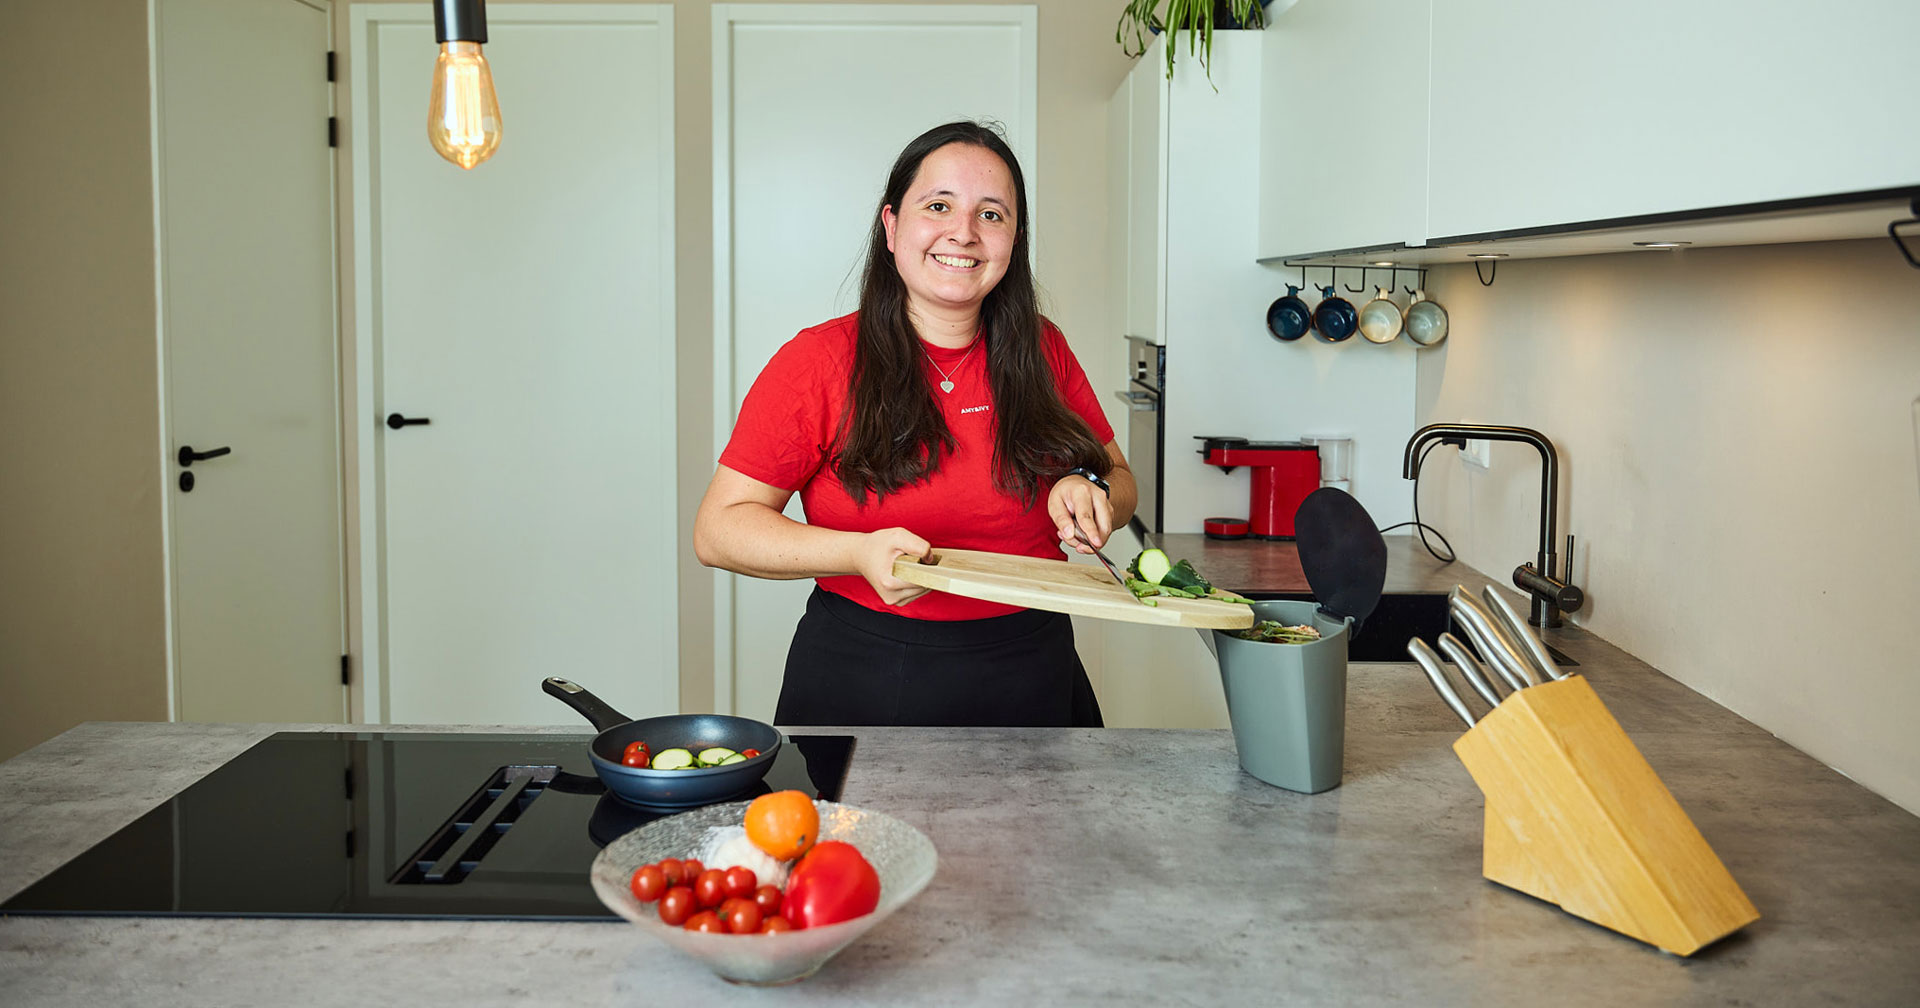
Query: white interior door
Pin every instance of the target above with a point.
(811, 105)
(525, 309)
(245, 203)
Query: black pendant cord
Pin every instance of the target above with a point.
(460, 20)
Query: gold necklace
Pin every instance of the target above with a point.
(946, 385)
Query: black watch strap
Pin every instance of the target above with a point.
(1093, 478)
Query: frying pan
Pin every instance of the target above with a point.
(670, 788)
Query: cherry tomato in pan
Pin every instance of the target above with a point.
(740, 916)
(769, 925)
(740, 881)
(675, 905)
(706, 922)
(749, 753)
(648, 883)
(637, 758)
(767, 898)
(633, 747)
(710, 888)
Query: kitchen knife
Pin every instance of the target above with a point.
(1430, 663)
(1108, 564)
(1470, 670)
(1488, 639)
(1531, 648)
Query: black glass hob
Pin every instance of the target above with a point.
(384, 824)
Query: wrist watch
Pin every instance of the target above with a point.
(1091, 477)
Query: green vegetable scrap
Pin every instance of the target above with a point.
(1275, 632)
(1153, 573)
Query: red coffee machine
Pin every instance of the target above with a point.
(1284, 473)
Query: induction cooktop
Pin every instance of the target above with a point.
(384, 824)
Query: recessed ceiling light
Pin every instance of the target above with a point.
(1662, 244)
(1382, 264)
(1486, 255)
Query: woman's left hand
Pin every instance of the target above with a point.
(1075, 497)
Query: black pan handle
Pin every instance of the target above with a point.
(576, 696)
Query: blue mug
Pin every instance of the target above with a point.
(1289, 318)
(1334, 318)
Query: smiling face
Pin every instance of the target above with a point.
(952, 236)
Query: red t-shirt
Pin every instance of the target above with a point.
(790, 419)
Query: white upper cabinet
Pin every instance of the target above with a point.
(1144, 93)
(1555, 114)
(1184, 161)
(1427, 122)
(1343, 127)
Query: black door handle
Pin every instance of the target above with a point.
(188, 456)
(396, 421)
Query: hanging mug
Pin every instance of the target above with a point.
(1380, 320)
(1289, 318)
(1334, 318)
(1426, 321)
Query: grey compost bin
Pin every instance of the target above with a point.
(1288, 702)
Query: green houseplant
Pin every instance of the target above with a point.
(1142, 19)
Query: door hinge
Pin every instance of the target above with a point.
(333, 131)
(329, 66)
(346, 667)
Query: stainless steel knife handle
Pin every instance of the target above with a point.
(1488, 639)
(1430, 663)
(1531, 648)
(1470, 670)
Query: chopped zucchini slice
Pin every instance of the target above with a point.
(1152, 565)
(673, 759)
(1183, 576)
(735, 758)
(714, 755)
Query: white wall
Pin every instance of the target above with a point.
(1736, 430)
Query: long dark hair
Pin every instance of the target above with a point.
(893, 434)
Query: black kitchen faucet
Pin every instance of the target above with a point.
(1551, 595)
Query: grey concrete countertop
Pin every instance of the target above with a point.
(1082, 866)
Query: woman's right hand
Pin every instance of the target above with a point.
(874, 556)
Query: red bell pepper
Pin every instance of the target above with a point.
(832, 883)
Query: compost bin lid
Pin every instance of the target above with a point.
(1342, 553)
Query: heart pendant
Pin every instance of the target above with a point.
(946, 386)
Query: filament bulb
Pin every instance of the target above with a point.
(463, 114)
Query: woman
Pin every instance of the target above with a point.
(945, 411)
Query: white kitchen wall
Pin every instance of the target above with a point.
(1735, 428)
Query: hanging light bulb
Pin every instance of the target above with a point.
(463, 114)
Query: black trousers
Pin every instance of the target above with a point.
(849, 665)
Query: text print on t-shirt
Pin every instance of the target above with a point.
(977, 409)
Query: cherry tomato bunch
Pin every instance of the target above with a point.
(710, 900)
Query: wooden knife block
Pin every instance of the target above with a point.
(1576, 817)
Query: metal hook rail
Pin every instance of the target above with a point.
(1893, 232)
(1333, 277)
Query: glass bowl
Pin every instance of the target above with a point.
(901, 854)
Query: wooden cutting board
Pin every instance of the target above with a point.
(1059, 586)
